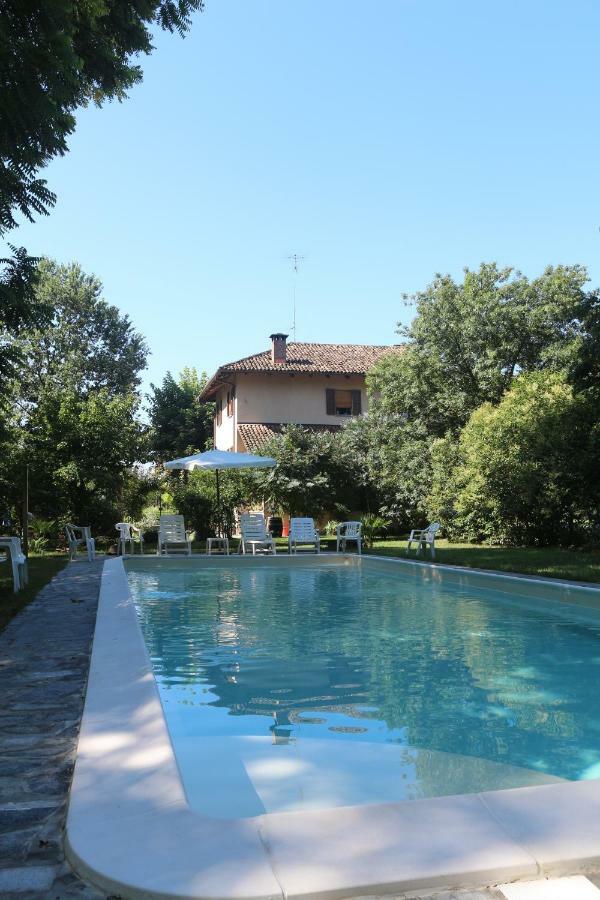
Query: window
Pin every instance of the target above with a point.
(230, 399)
(219, 411)
(342, 403)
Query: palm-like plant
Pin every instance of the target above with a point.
(372, 527)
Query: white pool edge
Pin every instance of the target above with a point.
(131, 832)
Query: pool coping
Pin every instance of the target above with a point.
(131, 831)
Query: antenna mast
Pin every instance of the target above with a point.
(295, 259)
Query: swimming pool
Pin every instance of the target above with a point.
(330, 683)
(140, 825)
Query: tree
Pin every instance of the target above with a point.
(20, 308)
(524, 471)
(72, 414)
(314, 473)
(88, 343)
(195, 497)
(465, 346)
(180, 423)
(468, 341)
(584, 372)
(81, 449)
(56, 56)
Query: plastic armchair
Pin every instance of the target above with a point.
(348, 531)
(127, 535)
(77, 536)
(18, 561)
(423, 538)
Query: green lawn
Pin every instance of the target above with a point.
(41, 570)
(550, 562)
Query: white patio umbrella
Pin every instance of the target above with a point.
(221, 459)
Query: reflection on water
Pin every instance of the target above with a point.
(350, 655)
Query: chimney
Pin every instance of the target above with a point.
(278, 349)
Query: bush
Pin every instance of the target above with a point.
(523, 472)
(373, 526)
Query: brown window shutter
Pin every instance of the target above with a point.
(356, 407)
(330, 401)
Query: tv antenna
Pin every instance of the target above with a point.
(295, 259)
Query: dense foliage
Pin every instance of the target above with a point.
(467, 346)
(20, 308)
(315, 473)
(488, 419)
(71, 414)
(56, 56)
(523, 471)
(180, 423)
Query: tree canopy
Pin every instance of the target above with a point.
(523, 471)
(56, 56)
(20, 308)
(180, 423)
(465, 346)
(72, 412)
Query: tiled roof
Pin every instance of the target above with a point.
(255, 435)
(320, 359)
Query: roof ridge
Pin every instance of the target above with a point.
(306, 357)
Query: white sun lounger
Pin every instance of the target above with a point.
(303, 531)
(255, 536)
(172, 536)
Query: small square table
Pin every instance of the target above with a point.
(220, 544)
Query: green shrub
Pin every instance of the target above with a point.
(524, 471)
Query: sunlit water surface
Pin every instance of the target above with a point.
(290, 687)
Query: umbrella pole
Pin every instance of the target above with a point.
(26, 513)
(219, 516)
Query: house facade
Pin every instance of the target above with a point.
(317, 386)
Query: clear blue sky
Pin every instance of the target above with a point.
(383, 140)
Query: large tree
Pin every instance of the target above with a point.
(56, 56)
(315, 473)
(72, 410)
(468, 340)
(464, 347)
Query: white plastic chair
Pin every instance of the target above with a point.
(127, 535)
(303, 531)
(18, 561)
(80, 535)
(348, 531)
(172, 534)
(423, 538)
(255, 535)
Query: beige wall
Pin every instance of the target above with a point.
(225, 432)
(281, 398)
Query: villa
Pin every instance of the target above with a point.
(314, 385)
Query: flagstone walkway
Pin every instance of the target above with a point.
(44, 659)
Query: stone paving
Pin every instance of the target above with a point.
(44, 661)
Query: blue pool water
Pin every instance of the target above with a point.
(292, 685)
